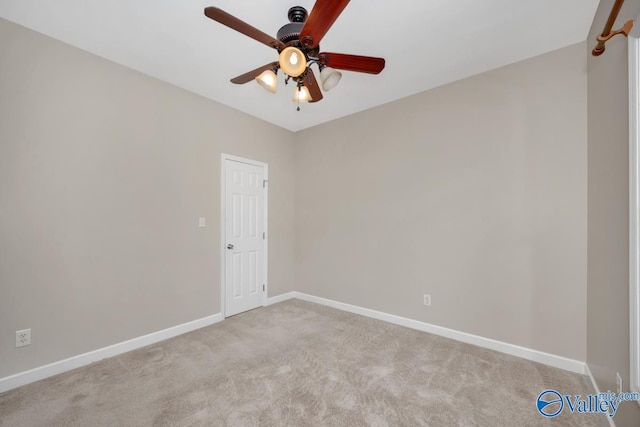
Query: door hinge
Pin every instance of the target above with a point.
(264, 235)
(264, 288)
(264, 183)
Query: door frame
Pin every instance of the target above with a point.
(223, 218)
(634, 207)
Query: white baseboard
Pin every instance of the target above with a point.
(561, 362)
(597, 390)
(42, 372)
(281, 297)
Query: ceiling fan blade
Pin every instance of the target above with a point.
(321, 18)
(311, 83)
(232, 22)
(361, 64)
(247, 77)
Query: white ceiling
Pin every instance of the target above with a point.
(426, 43)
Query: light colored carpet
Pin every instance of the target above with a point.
(298, 364)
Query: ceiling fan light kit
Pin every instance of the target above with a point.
(292, 61)
(301, 94)
(329, 78)
(268, 80)
(298, 48)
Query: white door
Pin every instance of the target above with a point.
(244, 238)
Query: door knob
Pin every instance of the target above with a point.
(229, 246)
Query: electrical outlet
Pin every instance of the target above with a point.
(23, 337)
(619, 382)
(426, 299)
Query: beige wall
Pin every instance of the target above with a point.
(608, 212)
(474, 192)
(103, 175)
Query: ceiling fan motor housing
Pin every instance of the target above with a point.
(289, 34)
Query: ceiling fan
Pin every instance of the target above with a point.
(298, 46)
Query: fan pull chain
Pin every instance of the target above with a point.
(298, 109)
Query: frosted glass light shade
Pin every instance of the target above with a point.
(301, 94)
(292, 61)
(268, 80)
(329, 78)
